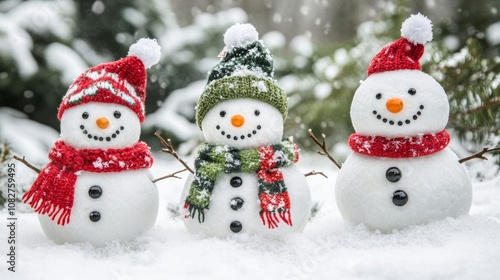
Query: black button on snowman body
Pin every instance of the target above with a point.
(95, 192)
(399, 197)
(236, 204)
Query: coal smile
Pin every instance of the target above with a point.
(399, 123)
(100, 138)
(242, 136)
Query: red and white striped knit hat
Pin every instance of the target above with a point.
(405, 52)
(121, 82)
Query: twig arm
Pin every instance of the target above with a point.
(480, 154)
(323, 147)
(25, 162)
(169, 148)
(315, 173)
(173, 175)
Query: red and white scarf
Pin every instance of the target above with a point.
(53, 191)
(399, 147)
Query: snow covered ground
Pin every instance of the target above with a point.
(464, 248)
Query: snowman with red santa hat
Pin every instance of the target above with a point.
(401, 171)
(97, 187)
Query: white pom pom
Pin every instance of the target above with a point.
(147, 50)
(417, 29)
(240, 35)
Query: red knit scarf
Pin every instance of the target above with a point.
(52, 192)
(399, 147)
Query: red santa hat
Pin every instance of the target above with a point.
(120, 82)
(406, 51)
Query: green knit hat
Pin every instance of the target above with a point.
(245, 71)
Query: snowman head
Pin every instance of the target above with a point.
(397, 99)
(399, 103)
(243, 123)
(106, 95)
(242, 106)
(100, 125)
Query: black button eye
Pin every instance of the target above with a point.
(117, 114)
(222, 113)
(412, 91)
(257, 112)
(85, 115)
(378, 96)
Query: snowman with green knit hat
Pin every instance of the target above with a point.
(245, 177)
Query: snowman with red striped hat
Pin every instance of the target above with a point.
(97, 187)
(245, 178)
(401, 171)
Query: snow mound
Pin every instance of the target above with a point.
(417, 29)
(147, 50)
(240, 35)
(329, 248)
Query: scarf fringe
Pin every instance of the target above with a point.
(35, 201)
(271, 218)
(192, 211)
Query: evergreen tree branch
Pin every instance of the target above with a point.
(480, 154)
(169, 148)
(322, 145)
(486, 105)
(173, 175)
(25, 162)
(315, 173)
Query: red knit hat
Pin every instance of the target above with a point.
(121, 82)
(406, 51)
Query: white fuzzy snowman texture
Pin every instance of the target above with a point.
(128, 205)
(437, 185)
(264, 124)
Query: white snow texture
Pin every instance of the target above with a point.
(147, 50)
(240, 35)
(329, 247)
(417, 29)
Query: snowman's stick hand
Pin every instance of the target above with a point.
(480, 154)
(25, 162)
(169, 148)
(322, 145)
(173, 175)
(315, 173)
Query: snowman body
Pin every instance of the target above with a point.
(430, 188)
(387, 193)
(246, 123)
(107, 205)
(235, 206)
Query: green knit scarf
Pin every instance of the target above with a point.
(264, 161)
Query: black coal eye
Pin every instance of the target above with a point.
(222, 113)
(85, 115)
(257, 112)
(412, 91)
(117, 114)
(378, 96)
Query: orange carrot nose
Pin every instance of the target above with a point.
(394, 105)
(102, 123)
(237, 120)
